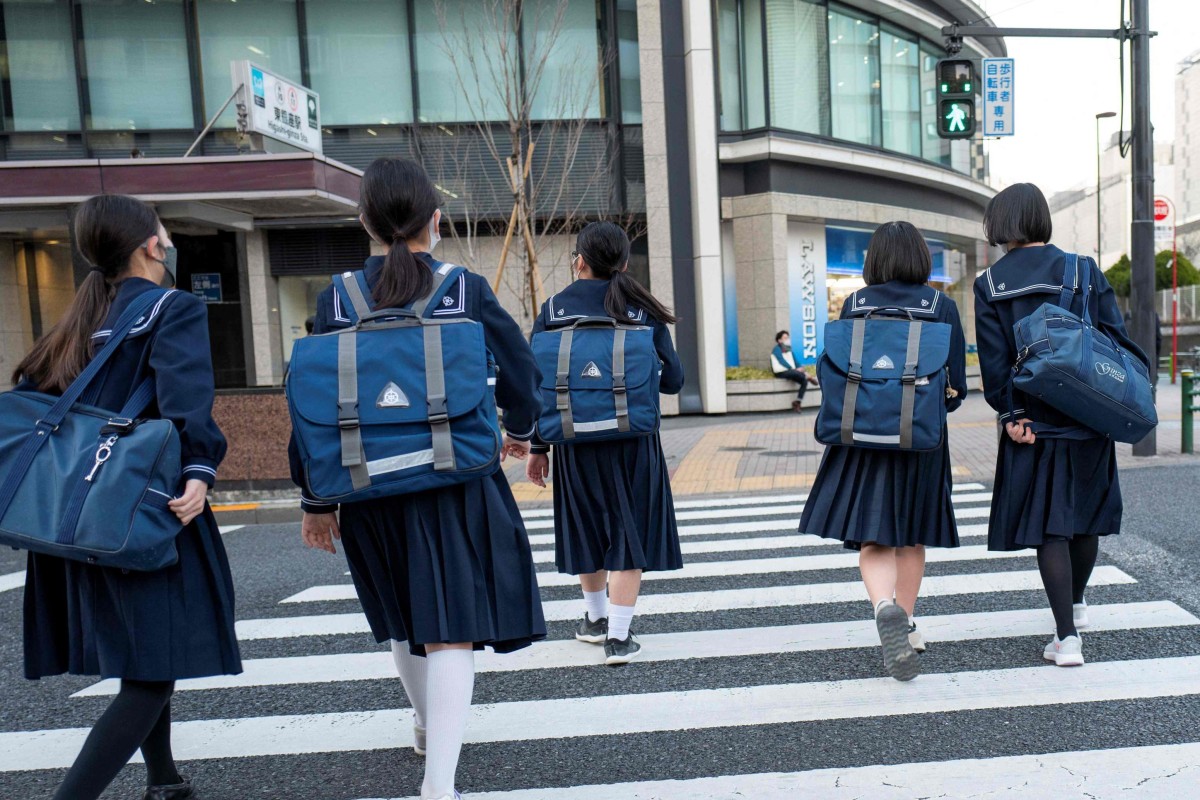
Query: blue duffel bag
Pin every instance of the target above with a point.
(399, 402)
(600, 380)
(83, 483)
(883, 383)
(1077, 368)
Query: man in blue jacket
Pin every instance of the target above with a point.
(783, 364)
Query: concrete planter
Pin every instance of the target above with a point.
(777, 395)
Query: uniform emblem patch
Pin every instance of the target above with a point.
(1001, 287)
(591, 371)
(447, 301)
(925, 303)
(862, 300)
(632, 314)
(883, 363)
(392, 396)
(562, 312)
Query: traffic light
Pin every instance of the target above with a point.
(956, 87)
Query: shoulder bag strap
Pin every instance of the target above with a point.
(1085, 287)
(1070, 282)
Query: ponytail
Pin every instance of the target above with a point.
(605, 249)
(397, 202)
(108, 230)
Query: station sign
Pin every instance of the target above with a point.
(279, 108)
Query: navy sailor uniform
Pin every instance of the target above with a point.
(1054, 487)
(452, 564)
(888, 497)
(613, 508)
(176, 622)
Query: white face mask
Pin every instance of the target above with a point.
(434, 235)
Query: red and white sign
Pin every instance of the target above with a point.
(1161, 209)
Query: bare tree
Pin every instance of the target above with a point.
(530, 104)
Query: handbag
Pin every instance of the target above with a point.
(81, 483)
(1078, 369)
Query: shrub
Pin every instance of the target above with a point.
(1119, 273)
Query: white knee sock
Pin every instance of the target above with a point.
(413, 671)
(596, 604)
(450, 684)
(619, 618)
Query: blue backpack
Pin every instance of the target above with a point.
(883, 383)
(399, 402)
(1080, 370)
(600, 381)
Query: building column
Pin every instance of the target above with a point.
(16, 332)
(260, 312)
(760, 244)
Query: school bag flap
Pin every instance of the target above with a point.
(885, 346)
(591, 360)
(391, 375)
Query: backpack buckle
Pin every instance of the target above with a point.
(854, 377)
(908, 380)
(438, 414)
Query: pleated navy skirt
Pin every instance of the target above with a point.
(170, 624)
(613, 508)
(884, 497)
(446, 566)
(1054, 488)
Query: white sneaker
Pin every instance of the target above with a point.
(418, 739)
(915, 639)
(455, 796)
(1079, 612)
(1065, 653)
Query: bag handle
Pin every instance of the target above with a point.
(1082, 285)
(875, 311)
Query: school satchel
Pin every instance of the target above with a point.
(883, 383)
(83, 483)
(1080, 370)
(600, 380)
(399, 402)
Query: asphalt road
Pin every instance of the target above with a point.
(736, 722)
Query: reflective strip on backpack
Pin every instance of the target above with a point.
(620, 399)
(403, 461)
(353, 456)
(853, 380)
(908, 397)
(562, 384)
(435, 382)
(599, 425)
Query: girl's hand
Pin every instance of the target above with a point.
(1019, 433)
(189, 505)
(537, 468)
(319, 530)
(515, 448)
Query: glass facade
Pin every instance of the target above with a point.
(826, 69)
(42, 93)
(629, 65)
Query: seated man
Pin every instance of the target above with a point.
(783, 364)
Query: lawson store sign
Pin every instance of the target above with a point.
(279, 108)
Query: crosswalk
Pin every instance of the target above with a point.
(758, 655)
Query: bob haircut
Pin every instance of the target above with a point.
(897, 252)
(1018, 214)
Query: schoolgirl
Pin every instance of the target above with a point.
(887, 504)
(614, 517)
(439, 573)
(1052, 493)
(148, 629)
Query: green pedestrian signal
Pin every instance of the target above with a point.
(956, 98)
(956, 119)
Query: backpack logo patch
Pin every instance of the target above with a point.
(883, 363)
(392, 396)
(591, 371)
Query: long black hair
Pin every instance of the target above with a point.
(605, 249)
(109, 229)
(897, 252)
(397, 200)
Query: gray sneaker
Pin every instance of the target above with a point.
(592, 632)
(899, 658)
(618, 651)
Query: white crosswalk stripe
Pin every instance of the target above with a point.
(980, 597)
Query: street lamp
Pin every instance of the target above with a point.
(1099, 212)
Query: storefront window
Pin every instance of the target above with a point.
(358, 61)
(461, 70)
(854, 77)
(41, 67)
(261, 31)
(629, 62)
(729, 57)
(900, 60)
(137, 64)
(297, 303)
(562, 59)
(796, 54)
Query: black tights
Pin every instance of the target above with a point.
(1066, 565)
(138, 717)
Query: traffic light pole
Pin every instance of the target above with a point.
(1142, 284)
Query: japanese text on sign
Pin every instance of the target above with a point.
(998, 97)
(279, 108)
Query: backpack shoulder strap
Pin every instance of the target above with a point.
(443, 279)
(354, 293)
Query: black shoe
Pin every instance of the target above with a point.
(178, 791)
(592, 632)
(621, 651)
